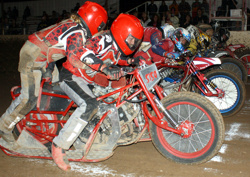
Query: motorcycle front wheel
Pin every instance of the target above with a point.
(234, 91)
(234, 66)
(208, 133)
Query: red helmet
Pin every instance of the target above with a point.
(127, 32)
(93, 16)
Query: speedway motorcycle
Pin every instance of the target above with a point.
(184, 127)
(235, 58)
(230, 61)
(220, 86)
(242, 53)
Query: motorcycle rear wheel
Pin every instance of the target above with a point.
(234, 88)
(207, 136)
(244, 55)
(51, 129)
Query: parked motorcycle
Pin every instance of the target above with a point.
(184, 127)
(220, 86)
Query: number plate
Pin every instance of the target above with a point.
(150, 76)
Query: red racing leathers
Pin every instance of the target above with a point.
(55, 42)
(76, 77)
(41, 48)
(163, 47)
(152, 35)
(98, 50)
(154, 47)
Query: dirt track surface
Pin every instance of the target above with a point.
(140, 159)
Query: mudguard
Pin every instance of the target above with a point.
(235, 47)
(218, 54)
(202, 62)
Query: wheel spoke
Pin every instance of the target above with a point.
(201, 134)
(231, 93)
(201, 138)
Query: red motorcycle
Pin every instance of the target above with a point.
(234, 60)
(184, 127)
(220, 86)
(241, 53)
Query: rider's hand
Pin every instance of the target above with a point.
(187, 52)
(47, 75)
(112, 72)
(172, 55)
(138, 61)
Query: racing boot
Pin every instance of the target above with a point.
(6, 129)
(59, 156)
(65, 139)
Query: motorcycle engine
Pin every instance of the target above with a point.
(127, 112)
(100, 91)
(170, 76)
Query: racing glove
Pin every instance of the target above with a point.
(47, 75)
(137, 60)
(172, 55)
(113, 72)
(187, 52)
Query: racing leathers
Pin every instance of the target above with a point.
(77, 78)
(154, 48)
(157, 53)
(37, 58)
(152, 35)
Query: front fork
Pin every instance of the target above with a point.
(184, 129)
(166, 113)
(204, 81)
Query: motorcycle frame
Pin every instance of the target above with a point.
(158, 119)
(231, 49)
(195, 71)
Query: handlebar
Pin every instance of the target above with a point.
(128, 70)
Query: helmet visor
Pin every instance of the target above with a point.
(184, 42)
(101, 27)
(132, 42)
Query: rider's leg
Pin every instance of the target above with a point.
(77, 89)
(30, 82)
(19, 107)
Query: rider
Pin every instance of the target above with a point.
(200, 42)
(220, 37)
(38, 56)
(152, 36)
(170, 47)
(100, 54)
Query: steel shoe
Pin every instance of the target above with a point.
(59, 157)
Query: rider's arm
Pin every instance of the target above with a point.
(157, 49)
(78, 55)
(193, 47)
(163, 47)
(48, 73)
(124, 60)
(155, 37)
(51, 66)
